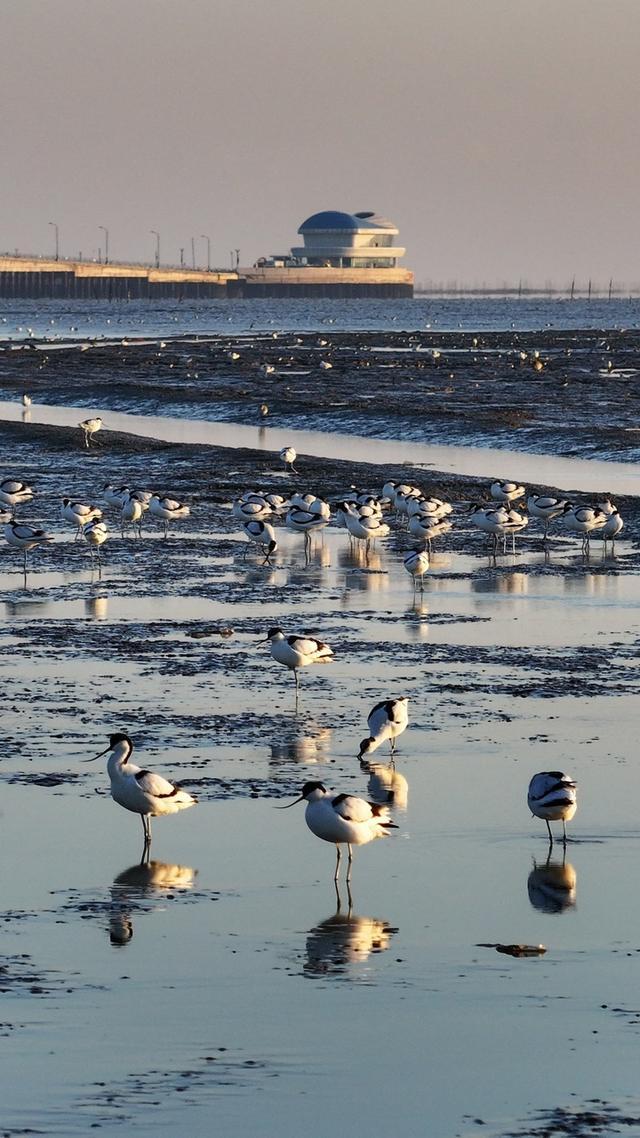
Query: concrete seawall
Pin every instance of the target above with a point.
(38, 278)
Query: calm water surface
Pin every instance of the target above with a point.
(20, 319)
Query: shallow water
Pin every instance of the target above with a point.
(67, 320)
(222, 980)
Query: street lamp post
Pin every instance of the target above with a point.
(106, 243)
(208, 240)
(55, 226)
(157, 237)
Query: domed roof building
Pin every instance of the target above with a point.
(337, 240)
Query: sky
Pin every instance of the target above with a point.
(501, 136)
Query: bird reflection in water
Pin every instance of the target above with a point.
(417, 617)
(337, 945)
(552, 886)
(142, 889)
(97, 607)
(365, 568)
(312, 747)
(516, 584)
(386, 786)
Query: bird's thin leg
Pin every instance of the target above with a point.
(564, 833)
(349, 897)
(338, 857)
(338, 897)
(350, 861)
(550, 834)
(392, 744)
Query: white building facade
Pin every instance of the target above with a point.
(347, 241)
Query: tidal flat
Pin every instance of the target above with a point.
(225, 983)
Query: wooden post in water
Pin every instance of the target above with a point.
(610, 287)
(589, 290)
(573, 288)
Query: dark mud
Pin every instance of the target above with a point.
(561, 392)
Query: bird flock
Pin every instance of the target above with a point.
(86, 517)
(367, 516)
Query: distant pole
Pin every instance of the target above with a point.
(231, 255)
(106, 243)
(573, 288)
(55, 226)
(193, 252)
(208, 240)
(589, 290)
(182, 258)
(237, 258)
(157, 237)
(610, 287)
(520, 289)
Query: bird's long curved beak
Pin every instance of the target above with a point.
(94, 757)
(290, 804)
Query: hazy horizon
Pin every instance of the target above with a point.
(499, 137)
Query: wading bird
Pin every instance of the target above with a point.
(139, 790)
(552, 797)
(297, 652)
(386, 720)
(90, 427)
(343, 819)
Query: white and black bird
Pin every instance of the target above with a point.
(90, 427)
(78, 514)
(583, 521)
(611, 528)
(385, 721)
(552, 797)
(167, 510)
(288, 455)
(263, 535)
(131, 513)
(343, 819)
(95, 533)
(297, 652)
(139, 790)
(545, 508)
(14, 493)
(22, 537)
(416, 563)
(506, 491)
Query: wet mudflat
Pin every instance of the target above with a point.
(550, 391)
(224, 980)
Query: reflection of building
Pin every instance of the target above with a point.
(343, 254)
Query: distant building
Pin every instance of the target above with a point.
(338, 240)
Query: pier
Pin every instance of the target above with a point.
(47, 278)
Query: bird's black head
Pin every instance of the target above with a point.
(118, 737)
(273, 632)
(309, 788)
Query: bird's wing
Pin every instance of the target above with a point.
(352, 809)
(155, 784)
(308, 646)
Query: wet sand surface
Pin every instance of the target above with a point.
(223, 980)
